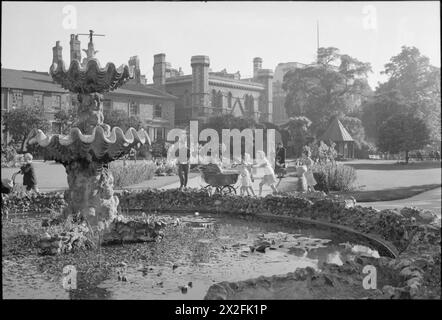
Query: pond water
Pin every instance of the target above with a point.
(203, 250)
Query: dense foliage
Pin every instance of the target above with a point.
(19, 122)
(327, 88)
(120, 118)
(413, 87)
(403, 132)
(332, 176)
(66, 119)
(126, 174)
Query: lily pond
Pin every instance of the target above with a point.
(199, 251)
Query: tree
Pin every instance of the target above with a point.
(380, 108)
(412, 77)
(326, 88)
(66, 118)
(298, 129)
(20, 121)
(120, 118)
(403, 132)
(229, 121)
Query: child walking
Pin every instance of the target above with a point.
(246, 181)
(302, 185)
(28, 172)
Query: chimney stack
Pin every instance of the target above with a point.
(57, 56)
(134, 62)
(257, 65)
(159, 70)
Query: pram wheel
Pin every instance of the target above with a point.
(228, 190)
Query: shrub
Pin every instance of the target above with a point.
(132, 173)
(334, 177)
(8, 155)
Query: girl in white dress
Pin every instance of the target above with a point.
(269, 174)
(246, 181)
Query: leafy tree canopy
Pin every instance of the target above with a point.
(66, 118)
(20, 121)
(403, 132)
(326, 88)
(120, 118)
(413, 78)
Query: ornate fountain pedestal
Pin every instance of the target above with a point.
(91, 144)
(90, 192)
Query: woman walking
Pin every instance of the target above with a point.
(308, 162)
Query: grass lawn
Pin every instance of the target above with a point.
(385, 180)
(389, 194)
(159, 182)
(51, 176)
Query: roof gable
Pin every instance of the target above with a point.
(336, 132)
(29, 80)
(237, 109)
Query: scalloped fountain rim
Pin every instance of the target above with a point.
(77, 78)
(104, 146)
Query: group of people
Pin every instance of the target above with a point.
(246, 168)
(306, 180)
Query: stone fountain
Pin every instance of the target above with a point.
(91, 144)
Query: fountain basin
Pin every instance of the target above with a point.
(197, 253)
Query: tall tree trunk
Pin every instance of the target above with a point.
(406, 157)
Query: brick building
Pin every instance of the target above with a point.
(204, 93)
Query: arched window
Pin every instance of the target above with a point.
(213, 98)
(229, 100)
(248, 103)
(219, 102)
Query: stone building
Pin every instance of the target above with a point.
(31, 88)
(204, 93)
(279, 114)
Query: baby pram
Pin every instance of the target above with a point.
(223, 181)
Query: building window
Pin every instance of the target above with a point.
(159, 134)
(229, 100)
(107, 105)
(158, 112)
(56, 127)
(219, 100)
(213, 99)
(38, 99)
(248, 103)
(56, 102)
(134, 109)
(17, 98)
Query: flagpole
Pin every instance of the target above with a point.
(317, 38)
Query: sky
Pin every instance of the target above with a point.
(230, 33)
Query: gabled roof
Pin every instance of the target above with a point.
(143, 90)
(29, 80)
(42, 81)
(336, 132)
